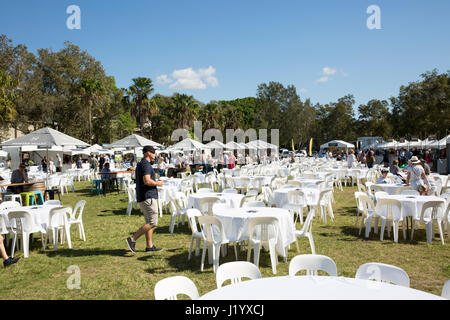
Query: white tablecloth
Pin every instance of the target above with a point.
(308, 181)
(281, 196)
(411, 205)
(316, 288)
(391, 188)
(40, 214)
(266, 181)
(236, 224)
(232, 200)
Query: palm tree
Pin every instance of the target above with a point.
(140, 91)
(186, 109)
(89, 90)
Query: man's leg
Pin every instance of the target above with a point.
(2, 249)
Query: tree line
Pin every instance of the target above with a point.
(69, 90)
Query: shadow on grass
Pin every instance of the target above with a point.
(179, 263)
(419, 235)
(88, 253)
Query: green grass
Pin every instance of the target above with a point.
(110, 271)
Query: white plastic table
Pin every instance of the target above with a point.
(411, 205)
(40, 214)
(280, 196)
(391, 188)
(231, 199)
(316, 288)
(236, 224)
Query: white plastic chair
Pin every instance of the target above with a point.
(76, 217)
(58, 221)
(254, 204)
(21, 224)
(207, 205)
(235, 271)
(446, 290)
(306, 231)
(268, 196)
(177, 212)
(296, 203)
(312, 263)
(169, 288)
(9, 205)
(196, 234)
(263, 232)
(368, 213)
(428, 217)
(213, 241)
(132, 202)
(323, 204)
(12, 197)
(389, 205)
(383, 273)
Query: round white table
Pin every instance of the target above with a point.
(391, 188)
(280, 196)
(316, 288)
(236, 224)
(411, 205)
(231, 199)
(238, 183)
(40, 214)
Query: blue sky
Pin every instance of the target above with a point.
(219, 50)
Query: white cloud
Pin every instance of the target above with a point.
(323, 79)
(303, 90)
(328, 71)
(163, 79)
(190, 79)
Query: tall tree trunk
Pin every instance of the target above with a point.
(90, 122)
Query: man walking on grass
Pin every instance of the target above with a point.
(147, 197)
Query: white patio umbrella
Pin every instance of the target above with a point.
(234, 146)
(215, 144)
(47, 138)
(189, 144)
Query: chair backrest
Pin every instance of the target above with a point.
(230, 190)
(254, 204)
(325, 195)
(58, 216)
(390, 204)
(24, 221)
(77, 212)
(410, 192)
(235, 271)
(358, 202)
(258, 182)
(131, 194)
(365, 202)
(192, 214)
(252, 193)
(170, 288)
(446, 196)
(52, 203)
(205, 190)
(383, 273)
(312, 263)
(9, 205)
(207, 204)
(246, 199)
(208, 225)
(295, 183)
(446, 290)
(381, 193)
(296, 197)
(432, 210)
(264, 229)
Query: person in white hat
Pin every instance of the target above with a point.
(417, 178)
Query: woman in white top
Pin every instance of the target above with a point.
(417, 178)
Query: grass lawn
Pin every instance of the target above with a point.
(110, 271)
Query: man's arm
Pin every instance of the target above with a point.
(152, 183)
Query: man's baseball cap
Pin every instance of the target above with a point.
(148, 149)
